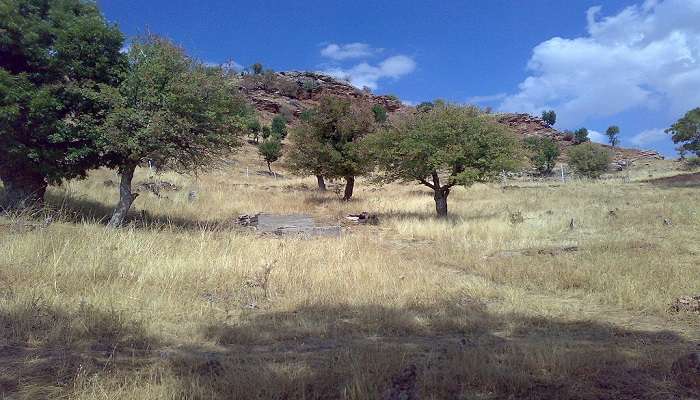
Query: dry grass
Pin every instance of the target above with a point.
(178, 304)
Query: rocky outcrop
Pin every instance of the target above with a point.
(526, 125)
(291, 93)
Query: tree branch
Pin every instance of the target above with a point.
(426, 183)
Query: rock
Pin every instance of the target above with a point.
(686, 304)
(247, 220)
(364, 218)
(192, 196)
(403, 386)
(686, 370)
(156, 187)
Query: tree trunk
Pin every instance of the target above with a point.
(269, 167)
(441, 202)
(321, 183)
(22, 189)
(126, 198)
(349, 187)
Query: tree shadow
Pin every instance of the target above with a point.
(691, 180)
(80, 209)
(46, 351)
(457, 351)
(448, 350)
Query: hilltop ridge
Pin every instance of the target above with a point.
(292, 92)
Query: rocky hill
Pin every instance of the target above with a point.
(290, 93)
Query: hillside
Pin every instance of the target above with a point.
(290, 93)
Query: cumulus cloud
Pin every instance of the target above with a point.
(348, 51)
(368, 75)
(597, 137)
(648, 55)
(649, 136)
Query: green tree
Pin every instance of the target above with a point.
(380, 114)
(446, 146)
(589, 159)
(612, 132)
(170, 109)
(327, 144)
(270, 150)
(581, 136)
(55, 56)
(543, 153)
(686, 131)
(253, 127)
(425, 106)
(279, 126)
(549, 117)
(257, 68)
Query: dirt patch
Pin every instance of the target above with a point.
(302, 225)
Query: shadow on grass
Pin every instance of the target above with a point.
(455, 349)
(80, 209)
(45, 351)
(691, 180)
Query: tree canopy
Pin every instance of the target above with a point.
(55, 57)
(170, 109)
(543, 153)
(549, 117)
(442, 147)
(326, 141)
(686, 131)
(612, 132)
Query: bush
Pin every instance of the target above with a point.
(581, 136)
(589, 159)
(543, 153)
(380, 114)
(279, 126)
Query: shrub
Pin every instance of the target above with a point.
(379, 112)
(581, 136)
(279, 126)
(543, 153)
(589, 159)
(549, 117)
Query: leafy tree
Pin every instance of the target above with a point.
(549, 117)
(543, 153)
(279, 126)
(612, 133)
(270, 150)
(446, 146)
(54, 58)
(257, 68)
(170, 109)
(380, 114)
(253, 127)
(425, 106)
(589, 159)
(327, 144)
(686, 131)
(581, 136)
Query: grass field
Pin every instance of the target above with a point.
(182, 304)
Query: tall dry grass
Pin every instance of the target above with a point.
(181, 304)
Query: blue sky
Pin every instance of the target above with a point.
(635, 64)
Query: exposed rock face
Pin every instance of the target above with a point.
(528, 126)
(291, 93)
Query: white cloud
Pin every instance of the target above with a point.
(649, 136)
(348, 51)
(365, 74)
(486, 99)
(648, 55)
(597, 137)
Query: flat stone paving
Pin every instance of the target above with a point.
(294, 224)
